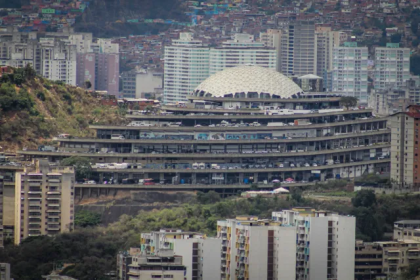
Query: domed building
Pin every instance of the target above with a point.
(248, 81)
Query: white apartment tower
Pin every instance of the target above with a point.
(392, 67)
(350, 73)
(324, 243)
(44, 201)
(186, 66)
(242, 50)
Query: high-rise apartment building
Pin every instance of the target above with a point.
(299, 49)
(392, 67)
(272, 39)
(324, 243)
(350, 73)
(197, 251)
(100, 65)
(326, 41)
(44, 201)
(248, 248)
(58, 60)
(241, 50)
(186, 66)
(405, 159)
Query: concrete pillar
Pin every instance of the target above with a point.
(241, 178)
(146, 175)
(194, 178)
(101, 178)
(130, 175)
(161, 176)
(255, 177)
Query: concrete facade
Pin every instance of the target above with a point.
(322, 243)
(404, 147)
(392, 67)
(44, 202)
(350, 73)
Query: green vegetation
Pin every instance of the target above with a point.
(348, 101)
(87, 219)
(81, 166)
(33, 109)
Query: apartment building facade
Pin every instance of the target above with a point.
(392, 67)
(405, 159)
(186, 66)
(368, 261)
(44, 201)
(350, 71)
(326, 41)
(272, 39)
(299, 49)
(163, 265)
(242, 49)
(322, 243)
(197, 251)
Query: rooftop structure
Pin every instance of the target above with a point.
(248, 81)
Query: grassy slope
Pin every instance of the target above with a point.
(65, 109)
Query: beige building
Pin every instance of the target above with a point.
(44, 201)
(326, 41)
(149, 267)
(407, 230)
(272, 39)
(405, 159)
(398, 255)
(368, 260)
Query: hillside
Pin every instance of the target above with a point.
(106, 18)
(34, 109)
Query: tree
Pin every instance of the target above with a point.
(81, 165)
(364, 198)
(348, 101)
(87, 219)
(412, 271)
(88, 84)
(29, 72)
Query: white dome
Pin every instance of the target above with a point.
(248, 81)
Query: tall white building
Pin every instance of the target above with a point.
(198, 252)
(324, 243)
(350, 73)
(392, 67)
(186, 66)
(243, 49)
(58, 60)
